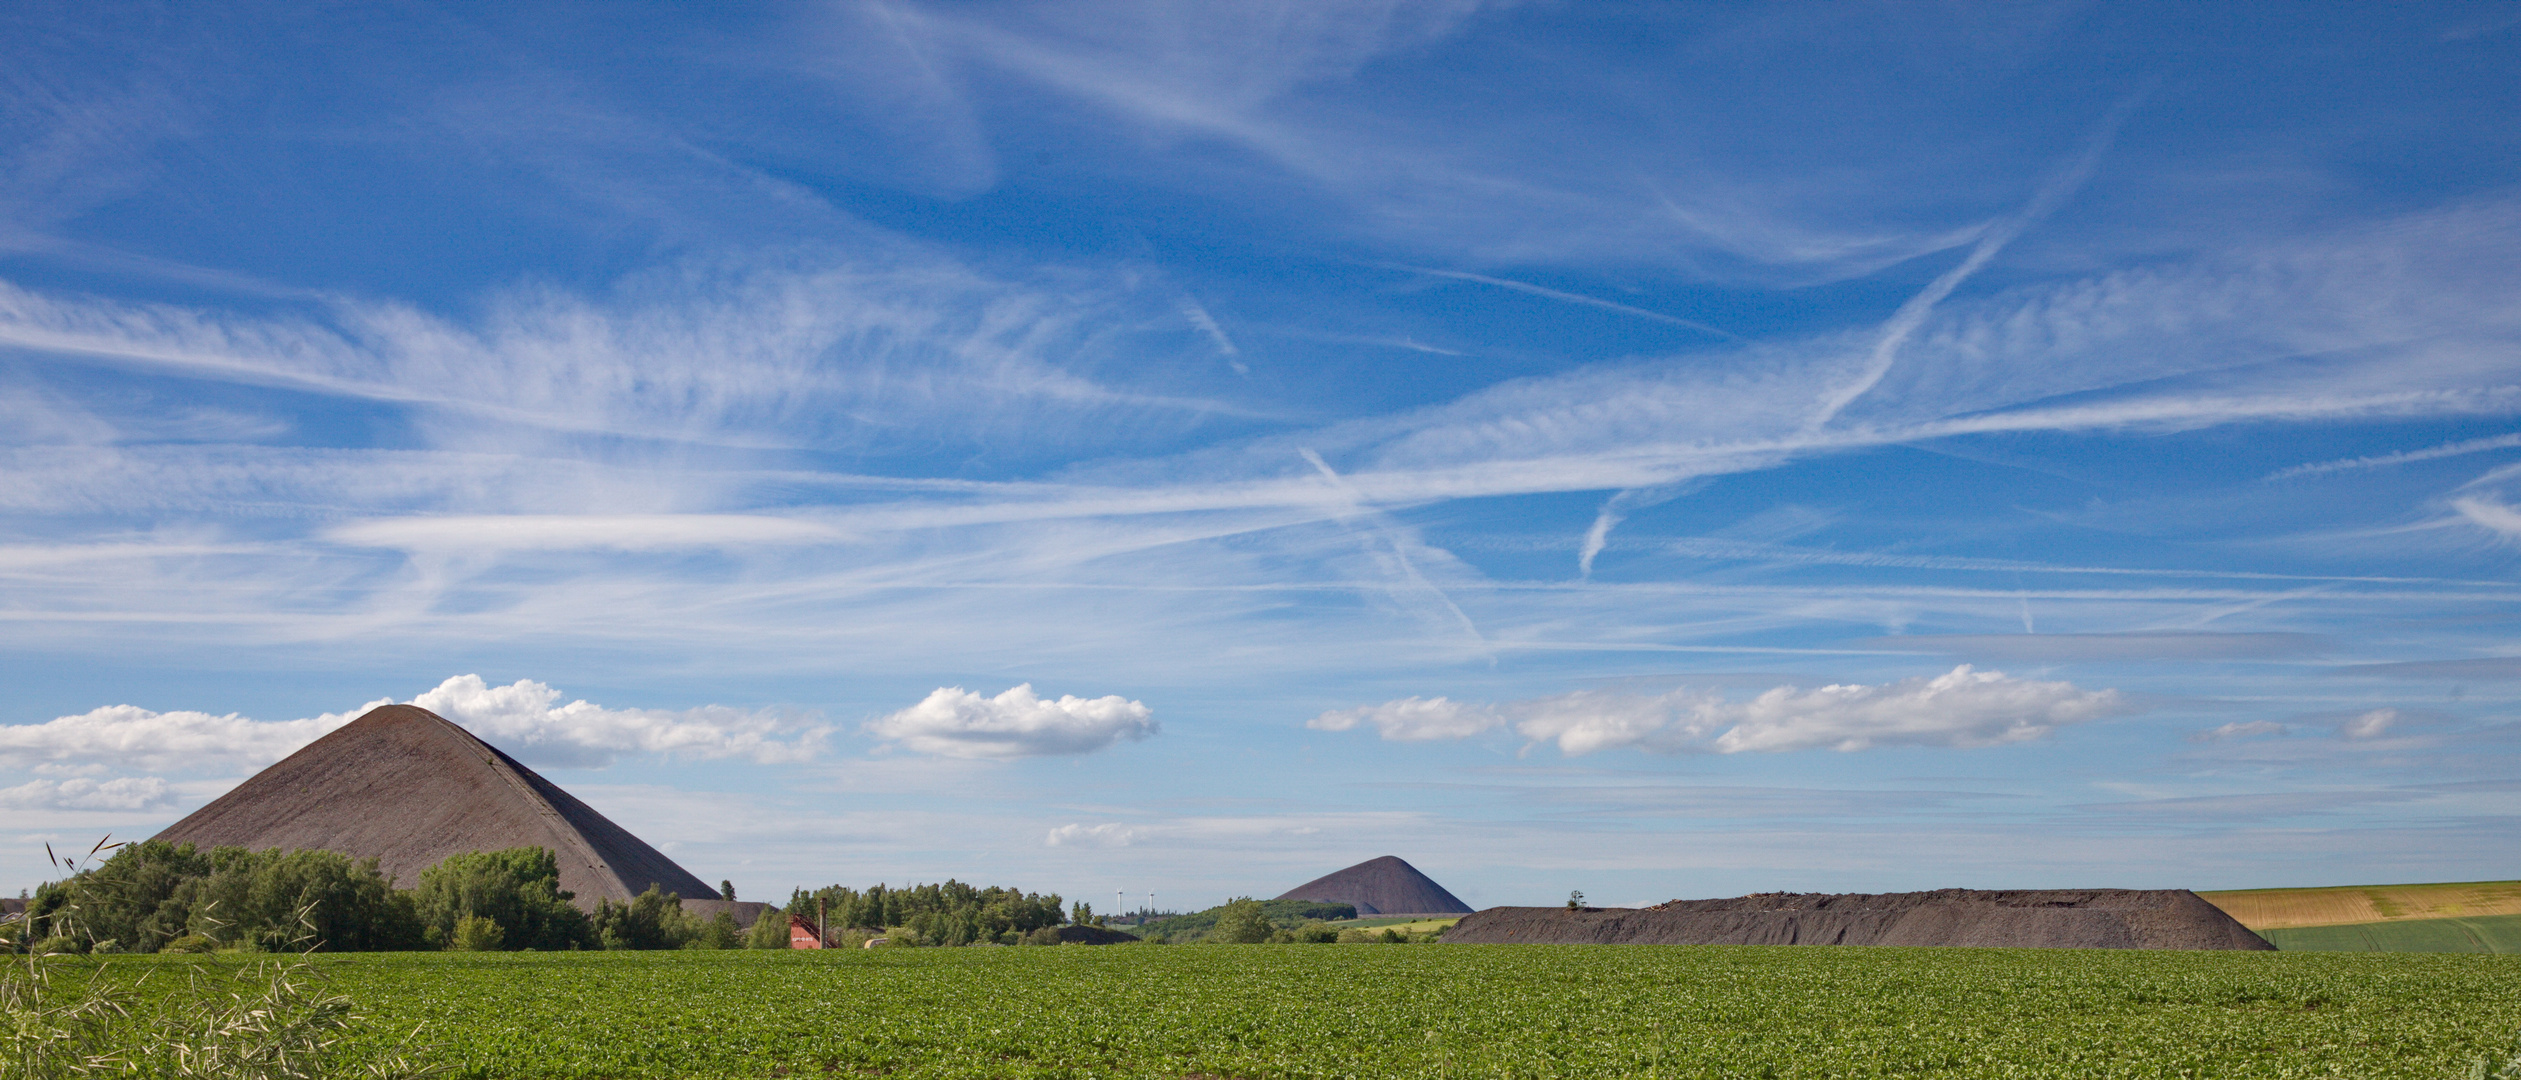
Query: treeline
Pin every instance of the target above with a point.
(158, 897)
(952, 913)
(1200, 925)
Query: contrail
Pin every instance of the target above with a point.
(1572, 298)
(1409, 570)
(2376, 461)
(1912, 314)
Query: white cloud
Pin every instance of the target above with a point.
(620, 532)
(2239, 730)
(1105, 835)
(1961, 708)
(523, 719)
(2489, 514)
(2369, 725)
(959, 723)
(1590, 720)
(1414, 719)
(128, 736)
(120, 793)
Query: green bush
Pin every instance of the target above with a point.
(151, 893)
(770, 931)
(518, 888)
(652, 920)
(474, 933)
(719, 932)
(1240, 922)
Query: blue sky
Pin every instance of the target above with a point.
(1663, 451)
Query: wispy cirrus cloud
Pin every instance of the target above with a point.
(2108, 647)
(2369, 725)
(2240, 729)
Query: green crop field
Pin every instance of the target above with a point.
(2486, 934)
(1432, 1011)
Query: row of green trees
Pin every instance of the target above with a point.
(1245, 921)
(1202, 925)
(155, 897)
(951, 913)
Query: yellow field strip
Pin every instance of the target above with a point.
(1420, 927)
(2276, 909)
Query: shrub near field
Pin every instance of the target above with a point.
(1559, 1011)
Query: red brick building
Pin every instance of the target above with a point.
(803, 934)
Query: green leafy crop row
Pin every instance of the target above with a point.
(1439, 1011)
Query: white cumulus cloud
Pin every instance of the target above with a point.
(955, 722)
(1961, 708)
(1414, 719)
(81, 793)
(130, 737)
(525, 719)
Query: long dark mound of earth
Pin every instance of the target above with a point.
(2018, 919)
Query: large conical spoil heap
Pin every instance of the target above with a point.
(405, 787)
(1384, 886)
(2019, 919)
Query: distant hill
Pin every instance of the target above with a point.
(1192, 927)
(403, 786)
(2340, 905)
(1384, 886)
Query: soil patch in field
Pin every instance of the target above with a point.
(1074, 934)
(2024, 919)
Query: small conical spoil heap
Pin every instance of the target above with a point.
(407, 788)
(1384, 886)
(2019, 919)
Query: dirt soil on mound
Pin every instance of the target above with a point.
(1073, 934)
(1381, 886)
(2020, 919)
